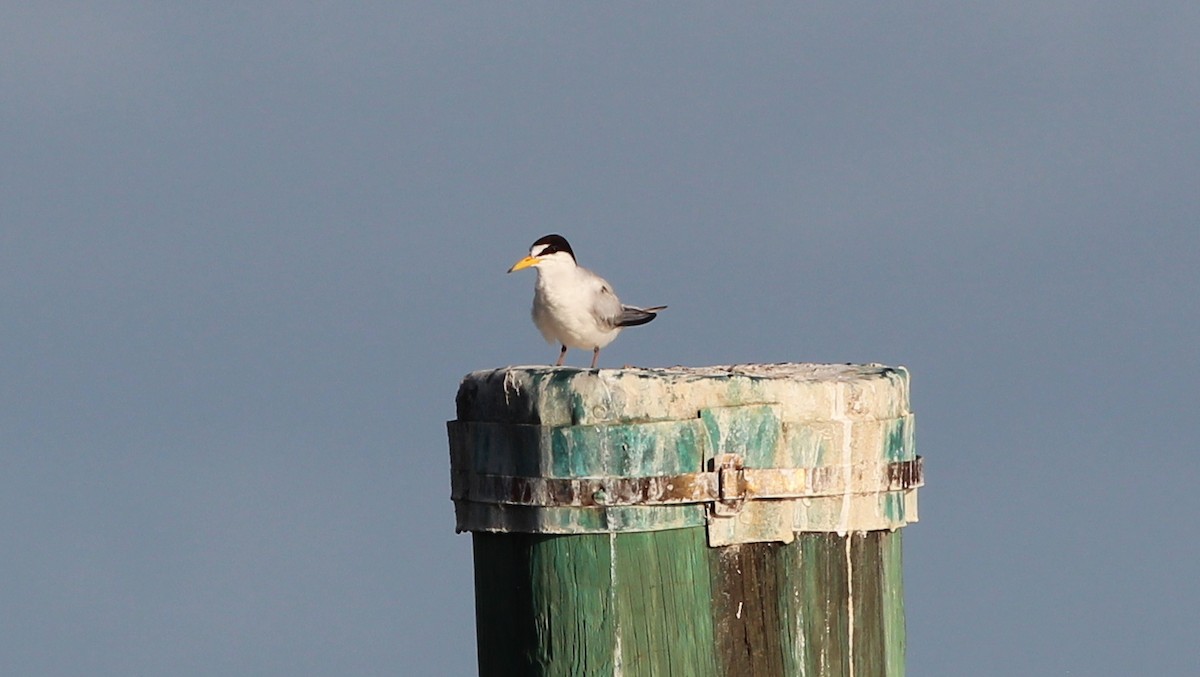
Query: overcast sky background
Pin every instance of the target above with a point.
(248, 250)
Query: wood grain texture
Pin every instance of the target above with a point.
(665, 604)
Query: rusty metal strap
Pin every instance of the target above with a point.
(728, 484)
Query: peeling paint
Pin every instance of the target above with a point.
(652, 428)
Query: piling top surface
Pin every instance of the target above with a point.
(559, 396)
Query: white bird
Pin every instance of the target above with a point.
(572, 305)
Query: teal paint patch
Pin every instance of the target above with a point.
(893, 507)
(578, 408)
(804, 445)
(569, 454)
(633, 450)
(753, 432)
(898, 442)
(498, 449)
(645, 450)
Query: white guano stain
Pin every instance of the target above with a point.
(511, 380)
(612, 603)
(841, 415)
(850, 604)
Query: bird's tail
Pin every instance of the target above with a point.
(632, 316)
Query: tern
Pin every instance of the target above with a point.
(573, 306)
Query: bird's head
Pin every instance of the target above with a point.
(549, 250)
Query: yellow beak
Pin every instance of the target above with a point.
(524, 263)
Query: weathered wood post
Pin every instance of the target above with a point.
(722, 521)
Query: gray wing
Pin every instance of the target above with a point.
(612, 313)
(607, 308)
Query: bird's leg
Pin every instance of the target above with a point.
(562, 355)
(595, 356)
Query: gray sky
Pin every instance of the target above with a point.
(248, 251)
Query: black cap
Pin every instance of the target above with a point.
(553, 243)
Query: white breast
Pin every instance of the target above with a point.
(564, 307)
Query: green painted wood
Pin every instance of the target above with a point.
(621, 604)
(665, 604)
(817, 615)
(637, 590)
(892, 605)
(544, 605)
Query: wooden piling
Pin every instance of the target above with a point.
(721, 521)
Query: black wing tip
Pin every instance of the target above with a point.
(637, 316)
(637, 321)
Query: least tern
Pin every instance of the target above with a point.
(572, 305)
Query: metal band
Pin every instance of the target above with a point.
(728, 486)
